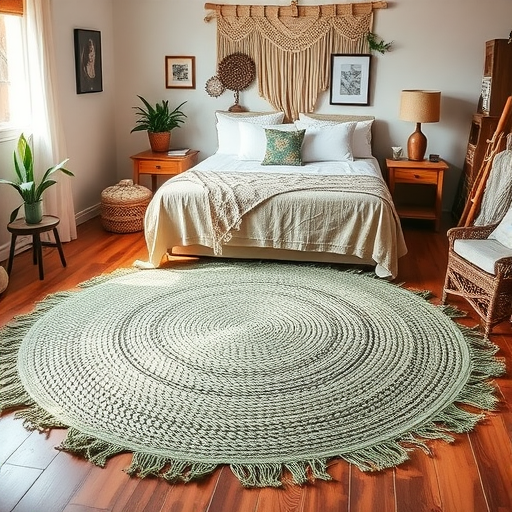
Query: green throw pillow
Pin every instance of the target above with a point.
(283, 148)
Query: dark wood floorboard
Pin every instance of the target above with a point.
(372, 491)
(473, 474)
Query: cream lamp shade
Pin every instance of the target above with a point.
(419, 107)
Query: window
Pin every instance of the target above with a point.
(13, 85)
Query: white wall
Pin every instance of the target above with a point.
(88, 118)
(438, 44)
(144, 33)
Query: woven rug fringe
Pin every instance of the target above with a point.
(478, 392)
(13, 394)
(376, 458)
(430, 431)
(258, 475)
(452, 311)
(425, 294)
(144, 465)
(93, 449)
(36, 418)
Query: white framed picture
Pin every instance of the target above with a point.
(350, 79)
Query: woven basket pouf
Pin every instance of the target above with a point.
(123, 207)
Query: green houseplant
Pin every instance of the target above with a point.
(158, 121)
(26, 185)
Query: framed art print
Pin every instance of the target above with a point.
(88, 61)
(180, 72)
(350, 79)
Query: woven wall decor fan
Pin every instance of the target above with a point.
(236, 72)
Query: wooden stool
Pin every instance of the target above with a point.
(20, 228)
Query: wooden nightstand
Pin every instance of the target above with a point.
(417, 173)
(150, 162)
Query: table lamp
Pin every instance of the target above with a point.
(419, 107)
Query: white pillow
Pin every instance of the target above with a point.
(327, 143)
(253, 141)
(503, 231)
(227, 129)
(361, 140)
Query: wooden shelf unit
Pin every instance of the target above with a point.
(482, 130)
(497, 77)
(496, 88)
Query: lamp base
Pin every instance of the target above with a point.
(417, 145)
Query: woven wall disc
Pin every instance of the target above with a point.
(236, 71)
(214, 87)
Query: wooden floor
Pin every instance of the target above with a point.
(472, 474)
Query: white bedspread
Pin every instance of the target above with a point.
(355, 216)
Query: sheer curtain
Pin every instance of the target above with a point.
(48, 136)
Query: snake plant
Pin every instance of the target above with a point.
(30, 191)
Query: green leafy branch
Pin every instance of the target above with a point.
(376, 45)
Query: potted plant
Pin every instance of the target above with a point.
(158, 121)
(26, 185)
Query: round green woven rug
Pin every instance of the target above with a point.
(271, 368)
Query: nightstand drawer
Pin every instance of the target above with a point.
(416, 176)
(158, 167)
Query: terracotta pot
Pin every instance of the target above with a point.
(160, 141)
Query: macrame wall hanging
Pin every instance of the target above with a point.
(292, 45)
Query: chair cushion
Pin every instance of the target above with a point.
(482, 253)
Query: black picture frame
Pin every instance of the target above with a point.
(89, 75)
(350, 79)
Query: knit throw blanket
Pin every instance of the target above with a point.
(232, 195)
(497, 196)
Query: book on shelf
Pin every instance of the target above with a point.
(178, 152)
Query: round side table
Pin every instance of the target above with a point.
(20, 228)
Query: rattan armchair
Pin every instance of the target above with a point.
(490, 295)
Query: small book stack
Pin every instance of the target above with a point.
(178, 152)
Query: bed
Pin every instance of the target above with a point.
(304, 191)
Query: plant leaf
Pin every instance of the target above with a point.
(41, 188)
(58, 167)
(12, 184)
(23, 156)
(14, 213)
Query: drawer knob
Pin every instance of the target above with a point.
(417, 176)
(158, 167)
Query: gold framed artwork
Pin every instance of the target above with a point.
(350, 79)
(180, 72)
